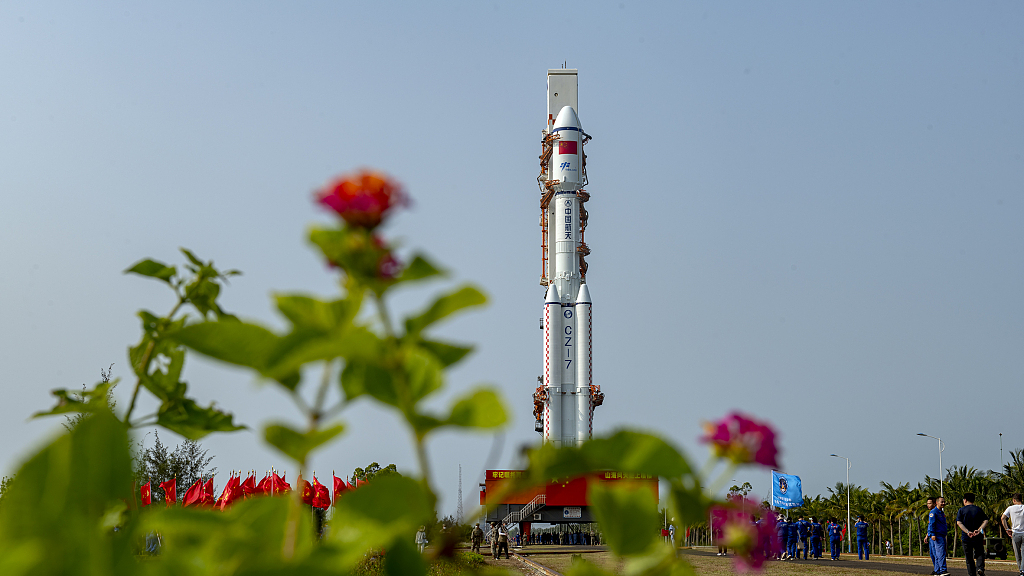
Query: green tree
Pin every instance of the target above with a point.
(374, 470)
(188, 462)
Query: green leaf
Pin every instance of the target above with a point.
(297, 445)
(423, 374)
(361, 377)
(628, 515)
(309, 313)
(445, 353)
(87, 401)
(419, 269)
(403, 559)
(191, 257)
(153, 269)
(166, 385)
(624, 451)
(184, 416)
(444, 306)
(229, 341)
(303, 346)
(247, 537)
(689, 501)
(481, 408)
(378, 514)
(59, 499)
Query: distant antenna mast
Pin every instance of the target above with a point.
(458, 513)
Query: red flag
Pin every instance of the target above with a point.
(360, 482)
(339, 487)
(567, 147)
(248, 487)
(193, 495)
(146, 493)
(170, 491)
(230, 493)
(321, 496)
(208, 498)
(264, 486)
(278, 485)
(307, 491)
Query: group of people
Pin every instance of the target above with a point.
(808, 536)
(971, 520)
(499, 539)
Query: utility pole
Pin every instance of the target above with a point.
(941, 448)
(849, 529)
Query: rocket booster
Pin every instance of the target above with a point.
(565, 401)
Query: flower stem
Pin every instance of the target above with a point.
(722, 479)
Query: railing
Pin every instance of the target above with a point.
(527, 510)
(523, 513)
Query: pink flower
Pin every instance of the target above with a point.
(363, 199)
(752, 540)
(742, 440)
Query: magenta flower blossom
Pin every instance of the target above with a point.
(752, 539)
(363, 199)
(742, 440)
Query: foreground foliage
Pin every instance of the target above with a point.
(71, 508)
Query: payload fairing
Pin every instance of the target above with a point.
(564, 402)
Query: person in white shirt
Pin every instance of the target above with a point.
(1016, 529)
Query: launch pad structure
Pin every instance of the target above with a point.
(565, 400)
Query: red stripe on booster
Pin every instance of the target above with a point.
(567, 147)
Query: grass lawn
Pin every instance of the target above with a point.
(705, 563)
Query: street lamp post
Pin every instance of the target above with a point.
(849, 531)
(941, 448)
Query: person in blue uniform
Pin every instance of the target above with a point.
(937, 530)
(804, 532)
(816, 533)
(781, 529)
(863, 546)
(835, 535)
(792, 534)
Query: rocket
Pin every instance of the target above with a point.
(564, 403)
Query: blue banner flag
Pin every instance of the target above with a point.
(786, 490)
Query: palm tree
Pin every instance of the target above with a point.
(896, 503)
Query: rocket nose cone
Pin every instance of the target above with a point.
(584, 296)
(552, 296)
(567, 118)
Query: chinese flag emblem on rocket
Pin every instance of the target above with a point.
(567, 147)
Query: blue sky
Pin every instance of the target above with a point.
(810, 212)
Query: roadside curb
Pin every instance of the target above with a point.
(542, 569)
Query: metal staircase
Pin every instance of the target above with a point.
(524, 513)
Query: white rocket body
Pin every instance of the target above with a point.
(568, 412)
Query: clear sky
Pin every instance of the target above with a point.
(811, 212)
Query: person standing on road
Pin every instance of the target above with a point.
(863, 546)
(478, 537)
(835, 536)
(781, 529)
(421, 538)
(494, 540)
(930, 503)
(937, 530)
(792, 535)
(502, 542)
(804, 532)
(816, 534)
(972, 520)
(1015, 513)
